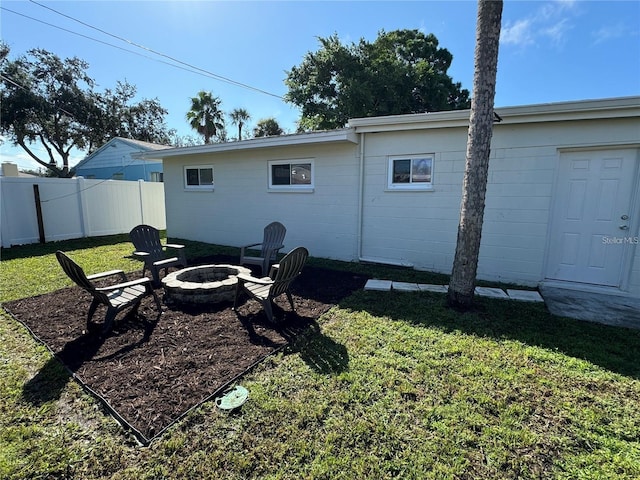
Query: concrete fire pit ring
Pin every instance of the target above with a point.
(202, 284)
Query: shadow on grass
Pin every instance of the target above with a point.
(321, 353)
(612, 348)
(304, 336)
(47, 384)
(194, 249)
(49, 248)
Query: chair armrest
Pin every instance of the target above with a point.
(245, 247)
(132, 283)
(274, 268)
(177, 246)
(97, 276)
(260, 281)
(251, 245)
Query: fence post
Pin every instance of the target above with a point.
(83, 207)
(36, 196)
(141, 196)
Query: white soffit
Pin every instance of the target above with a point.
(547, 112)
(347, 135)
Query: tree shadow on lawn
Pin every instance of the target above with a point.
(49, 248)
(612, 348)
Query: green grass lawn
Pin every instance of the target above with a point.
(393, 385)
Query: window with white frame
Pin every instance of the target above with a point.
(411, 172)
(198, 177)
(294, 175)
(157, 177)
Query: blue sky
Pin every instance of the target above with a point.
(550, 51)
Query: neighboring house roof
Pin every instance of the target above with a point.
(137, 144)
(547, 112)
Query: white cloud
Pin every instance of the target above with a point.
(550, 21)
(557, 32)
(612, 32)
(518, 33)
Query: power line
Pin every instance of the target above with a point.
(14, 83)
(173, 59)
(105, 43)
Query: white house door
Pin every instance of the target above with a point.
(591, 219)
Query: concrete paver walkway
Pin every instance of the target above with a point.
(616, 310)
(388, 285)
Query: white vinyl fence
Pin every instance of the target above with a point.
(75, 208)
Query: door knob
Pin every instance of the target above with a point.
(624, 227)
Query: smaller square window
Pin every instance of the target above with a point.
(411, 172)
(198, 177)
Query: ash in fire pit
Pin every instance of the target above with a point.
(203, 284)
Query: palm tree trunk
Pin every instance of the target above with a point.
(465, 263)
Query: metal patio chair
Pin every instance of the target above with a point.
(115, 297)
(266, 289)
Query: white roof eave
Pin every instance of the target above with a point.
(548, 112)
(333, 136)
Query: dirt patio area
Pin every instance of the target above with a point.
(152, 370)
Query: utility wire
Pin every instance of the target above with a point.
(173, 59)
(105, 43)
(13, 82)
(97, 184)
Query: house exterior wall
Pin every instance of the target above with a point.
(240, 205)
(116, 159)
(352, 214)
(420, 227)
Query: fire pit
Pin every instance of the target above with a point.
(203, 284)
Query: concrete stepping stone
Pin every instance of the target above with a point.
(433, 288)
(525, 295)
(405, 287)
(491, 292)
(379, 285)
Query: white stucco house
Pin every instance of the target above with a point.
(114, 160)
(563, 198)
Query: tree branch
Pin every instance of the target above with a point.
(49, 166)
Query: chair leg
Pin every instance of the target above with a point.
(92, 310)
(267, 309)
(108, 319)
(293, 308)
(183, 258)
(235, 299)
(155, 273)
(156, 299)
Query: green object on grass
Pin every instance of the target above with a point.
(232, 399)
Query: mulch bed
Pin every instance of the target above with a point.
(150, 371)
